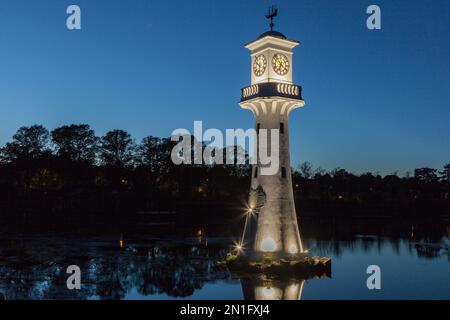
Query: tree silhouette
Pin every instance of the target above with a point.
(75, 142)
(150, 154)
(28, 143)
(305, 170)
(117, 148)
(446, 173)
(426, 174)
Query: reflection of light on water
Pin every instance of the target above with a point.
(291, 290)
(201, 237)
(268, 292)
(268, 245)
(121, 242)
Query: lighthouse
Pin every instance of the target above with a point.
(271, 226)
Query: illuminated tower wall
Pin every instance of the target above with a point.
(271, 224)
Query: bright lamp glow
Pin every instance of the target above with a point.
(268, 245)
(293, 249)
(239, 246)
(293, 287)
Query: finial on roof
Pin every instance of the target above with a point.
(273, 12)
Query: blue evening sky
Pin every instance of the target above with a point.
(375, 100)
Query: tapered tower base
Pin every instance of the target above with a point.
(271, 225)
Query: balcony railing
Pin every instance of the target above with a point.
(272, 89)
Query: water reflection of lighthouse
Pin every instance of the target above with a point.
(260, 289)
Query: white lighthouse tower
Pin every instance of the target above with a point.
(271, 223)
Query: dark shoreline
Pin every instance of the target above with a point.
(186, 226)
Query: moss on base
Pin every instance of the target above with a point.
(303, 266)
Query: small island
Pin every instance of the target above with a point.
(301, 266)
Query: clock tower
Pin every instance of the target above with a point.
(271, 222)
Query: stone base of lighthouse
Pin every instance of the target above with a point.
(271, 226)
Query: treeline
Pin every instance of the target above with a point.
(71, 171)
(423, 193)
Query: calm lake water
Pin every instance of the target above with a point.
(414, 259)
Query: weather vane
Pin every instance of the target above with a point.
(273, 12)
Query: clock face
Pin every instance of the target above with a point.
(259, 65)
(280, 64)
